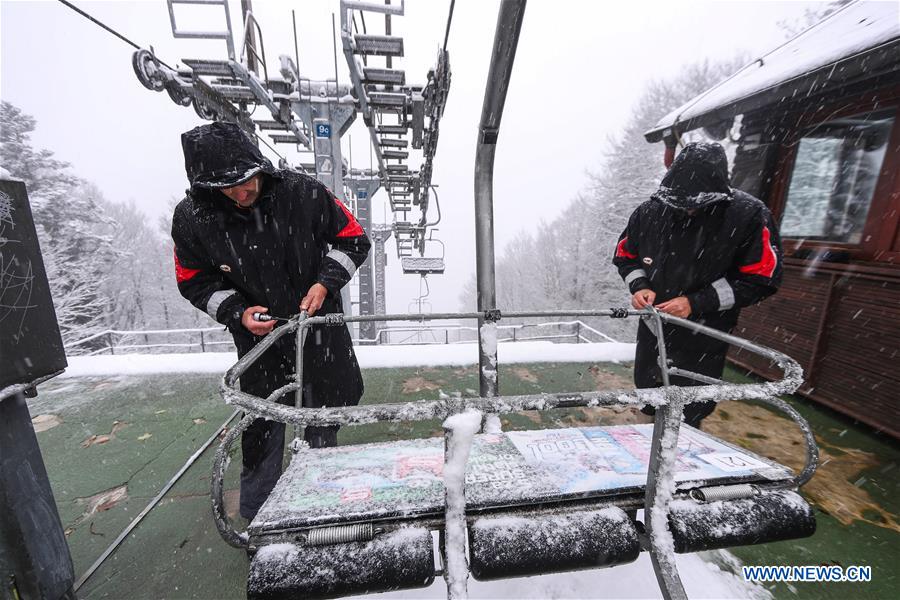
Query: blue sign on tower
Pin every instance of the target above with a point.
(323, 130)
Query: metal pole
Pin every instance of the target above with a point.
(247, 7)
(506, 38)
(202, 343)
(121, 537)
(660, 478)
(34, 558)
(296, 52)
(109, 340)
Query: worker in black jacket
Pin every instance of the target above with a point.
(700, 250)
(250, 238)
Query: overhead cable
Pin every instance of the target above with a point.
(107, 28)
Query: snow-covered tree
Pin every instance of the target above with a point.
(566, 264)
(69, 221)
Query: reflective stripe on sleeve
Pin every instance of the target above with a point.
(216, 300)
(724, 292)
(342, 259)
(636, 274)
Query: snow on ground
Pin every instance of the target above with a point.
(370, 357)
(701, 579)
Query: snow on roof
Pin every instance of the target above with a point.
(809, 62)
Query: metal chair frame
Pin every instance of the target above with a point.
(669, 401)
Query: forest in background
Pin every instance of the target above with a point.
(567, 262)
(108, 267)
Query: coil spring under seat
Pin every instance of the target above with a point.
(400, 559)
(770, 516)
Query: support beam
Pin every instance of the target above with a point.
(506, 38)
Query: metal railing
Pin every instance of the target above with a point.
(215, 339)
(559, 331)
(205, 339)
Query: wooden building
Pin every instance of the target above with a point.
(814, 129)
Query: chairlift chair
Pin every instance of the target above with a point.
(364, 518)
(424, 265)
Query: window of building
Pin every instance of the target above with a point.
(834, 178)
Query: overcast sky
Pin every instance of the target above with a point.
(580, 66)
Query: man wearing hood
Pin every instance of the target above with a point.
(250, 238)
(700, 250)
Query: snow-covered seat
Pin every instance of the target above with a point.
(422, 265)
(537, 502)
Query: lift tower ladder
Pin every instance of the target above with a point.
(395, 115)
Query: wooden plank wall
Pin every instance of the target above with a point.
(842, 324)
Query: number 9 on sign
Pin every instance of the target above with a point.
(323, 130)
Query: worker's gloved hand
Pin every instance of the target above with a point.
(643, 299)
(678, 307)
(314, 298)
(252, 325)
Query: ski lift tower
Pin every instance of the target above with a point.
(313, 115)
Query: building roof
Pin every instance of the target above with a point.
(860, 40)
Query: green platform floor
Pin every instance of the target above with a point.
(111, 443)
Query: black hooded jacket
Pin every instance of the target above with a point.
(296, 234)
(697, 237)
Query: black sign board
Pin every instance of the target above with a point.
(30, 343)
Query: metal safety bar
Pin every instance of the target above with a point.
(248, 48)
(669, 401)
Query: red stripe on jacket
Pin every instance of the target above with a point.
(622, 252)
(352, 228)
(768, 262)
(183, 273)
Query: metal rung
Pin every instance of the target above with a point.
(392, 129)
(386, 76)
(200, 66)
(226, 81)
(393, 143)
(397, 168)
(387, 9)
(398, 154)
(387, 99)
(284, 139)
(233, 92)
(378, 45)
(270, 125)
